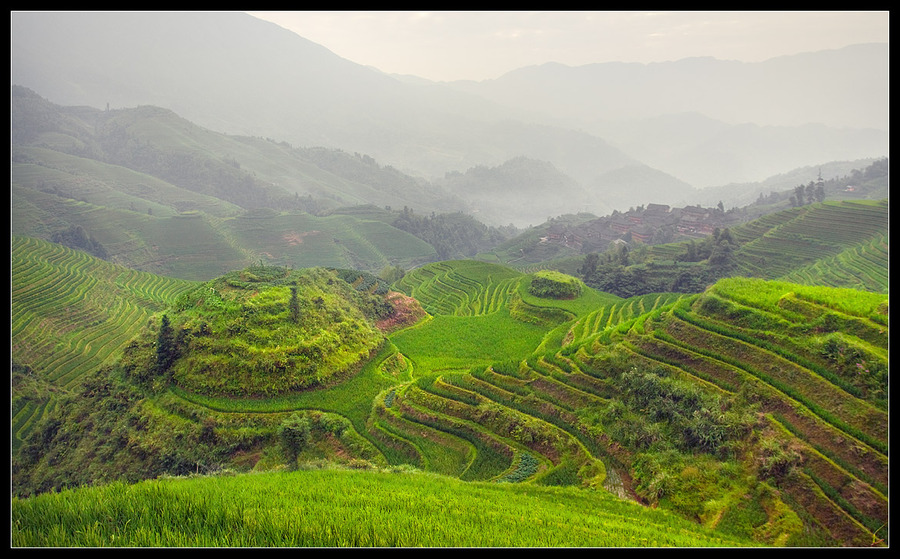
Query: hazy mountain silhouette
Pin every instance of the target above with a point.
(705, 152)
(236, 74)
(843, 88)
(521, 191)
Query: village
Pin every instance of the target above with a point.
(653, 224)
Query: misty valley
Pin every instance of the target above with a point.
(262, 296)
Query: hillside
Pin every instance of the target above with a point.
(261, 295)
(680, 402)
(833, 243)
(142, 182)
(70, 314)
(752, 388)
(313, 97)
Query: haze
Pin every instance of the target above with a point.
(607, 134)
(467, 45)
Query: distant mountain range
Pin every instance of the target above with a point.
(690, 124)
(846, 87)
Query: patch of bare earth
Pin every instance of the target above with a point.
(293, 238)
(407, 311)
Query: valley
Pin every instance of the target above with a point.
(262, 296)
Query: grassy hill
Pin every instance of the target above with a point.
(834, 243)
(163, 195)
(775, 245)
(687, 401)
(757, 409)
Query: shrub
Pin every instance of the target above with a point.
(294, 435)
(549, 284)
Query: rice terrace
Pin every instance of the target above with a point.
(226, 340)
(665, 399)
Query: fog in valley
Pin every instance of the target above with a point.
(603, 127)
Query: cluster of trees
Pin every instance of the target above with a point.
(697, 421)
(804, 195)
(76, 237)
(622, 271)
(455, 235)
(717, 249)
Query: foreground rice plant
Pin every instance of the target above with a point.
(333, 508)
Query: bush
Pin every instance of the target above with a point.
(294, 435)
(554, 285)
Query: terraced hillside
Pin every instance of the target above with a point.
(758, 408)
(460, 288)
(799, 375)
(865, 266)
(852, 234)
(815, 366)
(71, 313)
(198, 246)
(165, 196)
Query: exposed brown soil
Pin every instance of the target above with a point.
(407, 311)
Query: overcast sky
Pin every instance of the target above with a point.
(444, 46)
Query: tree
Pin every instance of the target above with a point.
(166, 348)
(810, 192)
(722, 255)
(623, 255)
(798, 194)
(691, 252)
(589, 266)
(725, 235)
(820, 193)
(294, 434)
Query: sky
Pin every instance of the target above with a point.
(480, 45)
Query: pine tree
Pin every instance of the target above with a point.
(165, 345)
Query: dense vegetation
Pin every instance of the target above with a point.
(452, 235)
(71, 313)
(555, 285)
(808, 244)
(260, 332)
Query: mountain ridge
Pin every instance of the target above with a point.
(250, 77)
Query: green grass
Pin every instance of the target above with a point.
(765, 338)
(344, 509)
(863, 267)
(242, 339)
(776, 245)
(459, 343)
